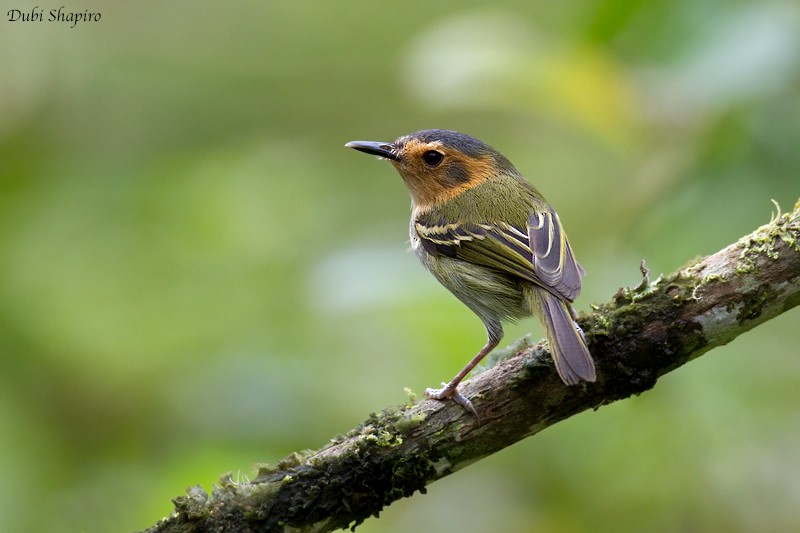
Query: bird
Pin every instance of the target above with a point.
(490, 238)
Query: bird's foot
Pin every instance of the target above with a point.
(579, 329)
(451, 392)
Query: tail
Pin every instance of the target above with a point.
(572, 358)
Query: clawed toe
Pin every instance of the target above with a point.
(451, 393)
(440, 394)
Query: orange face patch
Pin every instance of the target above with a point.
(432, 184)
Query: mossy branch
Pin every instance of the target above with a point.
(640, 335)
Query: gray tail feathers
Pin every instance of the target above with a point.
(572, 358)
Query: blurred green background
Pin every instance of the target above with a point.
(197, 276)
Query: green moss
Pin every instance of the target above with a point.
(411, 395)
(501, 354)
(638, 293)
(408, 423)
(536, 361)
(295, 459)
(384, 438)
(602, 321)
(226, 480)
(193, 505)
(621, 322)
(765, 243)
(357, 484)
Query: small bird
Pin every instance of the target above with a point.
(491, 239)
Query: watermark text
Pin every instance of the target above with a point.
(62, 14)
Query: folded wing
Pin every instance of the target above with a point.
(539, 253)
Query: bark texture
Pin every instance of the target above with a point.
(641, 334)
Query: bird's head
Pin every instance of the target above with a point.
(437, 165)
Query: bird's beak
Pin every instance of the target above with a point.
(386, 150)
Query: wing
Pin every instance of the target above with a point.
(553, 260)
(538, 253)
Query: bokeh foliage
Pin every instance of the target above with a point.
(196, 276)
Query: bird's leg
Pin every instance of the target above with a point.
(450, 390)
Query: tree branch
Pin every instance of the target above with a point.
(640, 335)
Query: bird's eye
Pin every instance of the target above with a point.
(432, 158)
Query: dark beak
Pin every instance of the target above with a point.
(386, 150)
